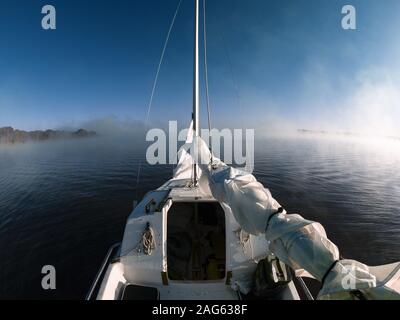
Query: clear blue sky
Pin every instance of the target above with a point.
(288, 61)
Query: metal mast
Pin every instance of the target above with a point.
(196, 100)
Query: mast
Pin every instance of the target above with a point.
(196, 99)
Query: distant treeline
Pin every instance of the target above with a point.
(9, 135)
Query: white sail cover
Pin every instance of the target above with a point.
(184, 169)
(300, 243)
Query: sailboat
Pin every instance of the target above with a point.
(179, 242)
(182, 243)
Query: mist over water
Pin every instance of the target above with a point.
(64, 203)
(352, 187)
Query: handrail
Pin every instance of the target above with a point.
(101, 271)
(305, 288)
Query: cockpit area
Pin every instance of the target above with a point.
(196, 241)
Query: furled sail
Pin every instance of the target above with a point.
(300, 243)
(185, 162)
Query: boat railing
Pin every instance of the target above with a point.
(304, 288)
(112, 253)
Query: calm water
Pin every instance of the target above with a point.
(65, 203)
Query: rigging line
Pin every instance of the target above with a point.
(234, 80)
(233, 76)
(161, 61)
(206, 77)
(156, 81)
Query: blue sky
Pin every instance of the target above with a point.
(271, 63)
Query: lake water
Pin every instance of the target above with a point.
(64, 203)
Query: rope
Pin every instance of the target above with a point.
(146, 245)
(148, 242)
(161, 61)
(206, 77)
(155, 84)
(235, 84)
(233, 77)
